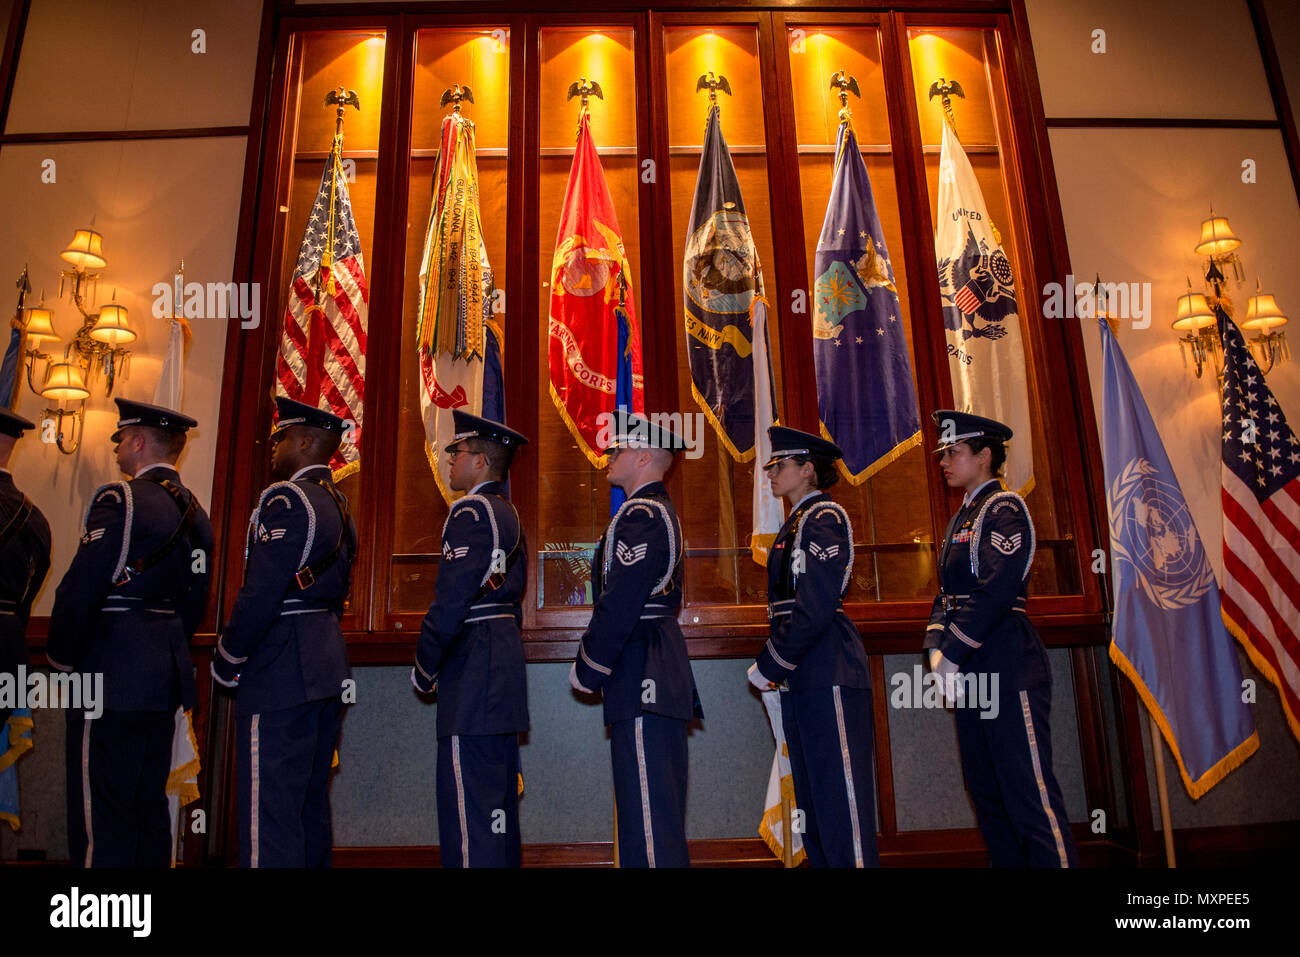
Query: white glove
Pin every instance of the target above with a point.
(757, 680)
(954, 689)
(573, 680)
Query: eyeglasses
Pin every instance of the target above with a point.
(775, 467)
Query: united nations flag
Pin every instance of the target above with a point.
(865, 396)
(1168, 635)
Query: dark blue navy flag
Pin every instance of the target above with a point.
(723, 284)
(865, 395)
(12, 364)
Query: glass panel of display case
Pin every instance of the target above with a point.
(981, 294)
(477, 58)
(717, 506)
(573, 496)
(887, 502)
(320, 62)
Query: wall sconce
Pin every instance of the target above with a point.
(1219, 244)
(38, 324)
(1200, 331)
(1264, 316)
(64, 383)
(100, 339)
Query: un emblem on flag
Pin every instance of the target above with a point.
(1152, 530)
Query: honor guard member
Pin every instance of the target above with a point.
(127, 608)
(24, 555)
(633, 650)
(470, 649)
(284, 649)
(815, 655)
(978, 625)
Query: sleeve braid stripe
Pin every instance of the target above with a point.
(492, 521)
(672, 539)
(848, 526)
(979, 525)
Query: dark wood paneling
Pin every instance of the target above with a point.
(1277, 87)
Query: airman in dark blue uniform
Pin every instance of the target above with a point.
(979, 626)
(815, 656)
(634, 653)
(284, 648)
(127, 608)
(24, 554)
(470, 649)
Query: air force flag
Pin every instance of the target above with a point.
(1169, 637)
(865, 397)
(985, 352)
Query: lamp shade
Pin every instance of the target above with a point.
(40, 325)
(111, 326)
(1217, 237)
(86, 251)
(63, 383)
(1262, 313)
(1193, 312)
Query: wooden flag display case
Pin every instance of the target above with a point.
(780, 123)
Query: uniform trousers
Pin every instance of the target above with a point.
(283, 760)
(648, 753)
(1007, 763)
(117, 766)
(828, 733)
(478, 800)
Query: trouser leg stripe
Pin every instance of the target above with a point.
(1038, 776)
(255, 788)
(645, 794)
(848, 778)
(85, 791)
(460, 800)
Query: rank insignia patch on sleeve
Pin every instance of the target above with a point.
(451, 554)
(630, 554)
(1007, 545)
(823, 554)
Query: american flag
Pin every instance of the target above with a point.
(322, 359)
(1261, 522)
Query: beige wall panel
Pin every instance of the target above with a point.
(1164, 58)
(156, 202)
(1133, 201)
(88, 65)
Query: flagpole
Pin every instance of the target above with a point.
(787, 832)
(616, 831)
(1162, 790)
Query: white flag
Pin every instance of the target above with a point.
(769, 511)
(171, 383)
(771, 828)
(985, 349)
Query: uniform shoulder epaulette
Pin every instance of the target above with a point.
(652, 509)
(1005, 544)
(816, 551)
(475, 505)
(288, 493)
(116, 494)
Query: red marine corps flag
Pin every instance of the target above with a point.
(586, 273)
(322, 359)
